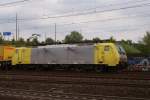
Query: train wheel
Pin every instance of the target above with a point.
(5, 66)
(101, 68)
(9, 65)
(98, 69)
(105, 68)
(1, 66)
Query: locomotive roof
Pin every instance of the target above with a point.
(62, 45)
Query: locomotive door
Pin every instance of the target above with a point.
(24, 56)
(19, 56)
(100, 55)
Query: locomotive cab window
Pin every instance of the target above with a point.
(120, 49)
(107, 48)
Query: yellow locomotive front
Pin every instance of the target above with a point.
(110, 55)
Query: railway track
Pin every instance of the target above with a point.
(78, 83)
(103, 81)
(122, 75)
(48, 95)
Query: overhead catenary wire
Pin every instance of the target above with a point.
(38, 27)
(88, 13)
(143, 15)
(105, 20)
(123, 30)
(111, 5)
(12, 3)
(13, 21)
(112, 19)
(98, 21)
(82, 13)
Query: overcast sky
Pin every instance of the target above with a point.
(94, 18)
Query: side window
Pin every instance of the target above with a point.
(107, 48)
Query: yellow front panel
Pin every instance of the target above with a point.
(98, 54)
(22, 56)
(26, 56)
(108, 57)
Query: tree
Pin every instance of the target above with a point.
(35, 42)
(28, 43)
(49, 41)
(20, 42)
(96, 40)
(127, 42)
(112, 39)
(144, 45)
(131, 50)
(74, 37)
(146, 39)
(13, 41)
(87, 41)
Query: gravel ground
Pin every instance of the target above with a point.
(12, 89)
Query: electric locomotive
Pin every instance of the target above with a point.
(100, 56)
